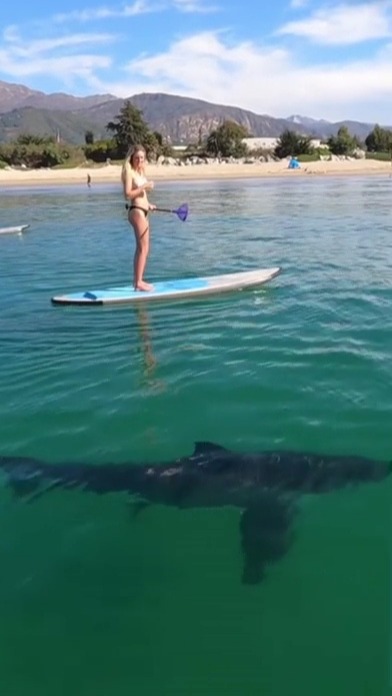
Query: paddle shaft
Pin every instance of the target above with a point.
(181, 212)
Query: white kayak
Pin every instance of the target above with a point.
(17, 229)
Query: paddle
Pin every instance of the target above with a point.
(181, 212)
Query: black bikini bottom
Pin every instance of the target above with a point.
(136, 207)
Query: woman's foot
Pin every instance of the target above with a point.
(142, 285)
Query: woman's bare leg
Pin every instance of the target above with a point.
(142, 237)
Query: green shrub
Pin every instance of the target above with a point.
(381, 156)
(313, 157)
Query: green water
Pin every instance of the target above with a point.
(93, 601)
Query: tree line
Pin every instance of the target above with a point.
(129, 127)
(343, 143)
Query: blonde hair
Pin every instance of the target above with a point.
(128, 161)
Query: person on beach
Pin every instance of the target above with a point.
(135, 187)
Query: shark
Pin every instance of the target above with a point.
(265, 486)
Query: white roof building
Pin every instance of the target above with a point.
(270, 143)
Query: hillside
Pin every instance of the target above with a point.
(68, 125)
(324, 129)
(181, 120)
(14, 96)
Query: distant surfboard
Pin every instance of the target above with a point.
(179, 289)
(18, 229)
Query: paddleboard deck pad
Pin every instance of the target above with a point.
(17, 229)
(170, 289)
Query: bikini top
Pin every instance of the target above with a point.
(138, 179)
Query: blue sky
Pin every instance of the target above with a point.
(317, 58)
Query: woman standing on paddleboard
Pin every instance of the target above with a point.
(136, 186)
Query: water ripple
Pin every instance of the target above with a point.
(315, 341)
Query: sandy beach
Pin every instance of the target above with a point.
(110, 173)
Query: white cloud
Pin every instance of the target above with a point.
(66, 68)
(29, 50)
(264, 80)
(55, 57)
(25, 57)
(11, 33)
(296, 4)
(344, 24)
(194, 6)
(138, 7)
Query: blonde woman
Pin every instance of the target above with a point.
(136, 186)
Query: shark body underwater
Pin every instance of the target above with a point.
(264, 486)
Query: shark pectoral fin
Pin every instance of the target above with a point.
(266, 534)
(136, 507)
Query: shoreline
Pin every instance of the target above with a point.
(111, 173)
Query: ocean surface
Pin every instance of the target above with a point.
(95, 600)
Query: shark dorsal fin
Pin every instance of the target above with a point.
(204, 447)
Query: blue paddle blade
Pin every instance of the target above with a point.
(182, 212)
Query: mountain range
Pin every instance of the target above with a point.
(181, 120)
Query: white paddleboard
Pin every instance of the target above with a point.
(18, 229)
(170, 289)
